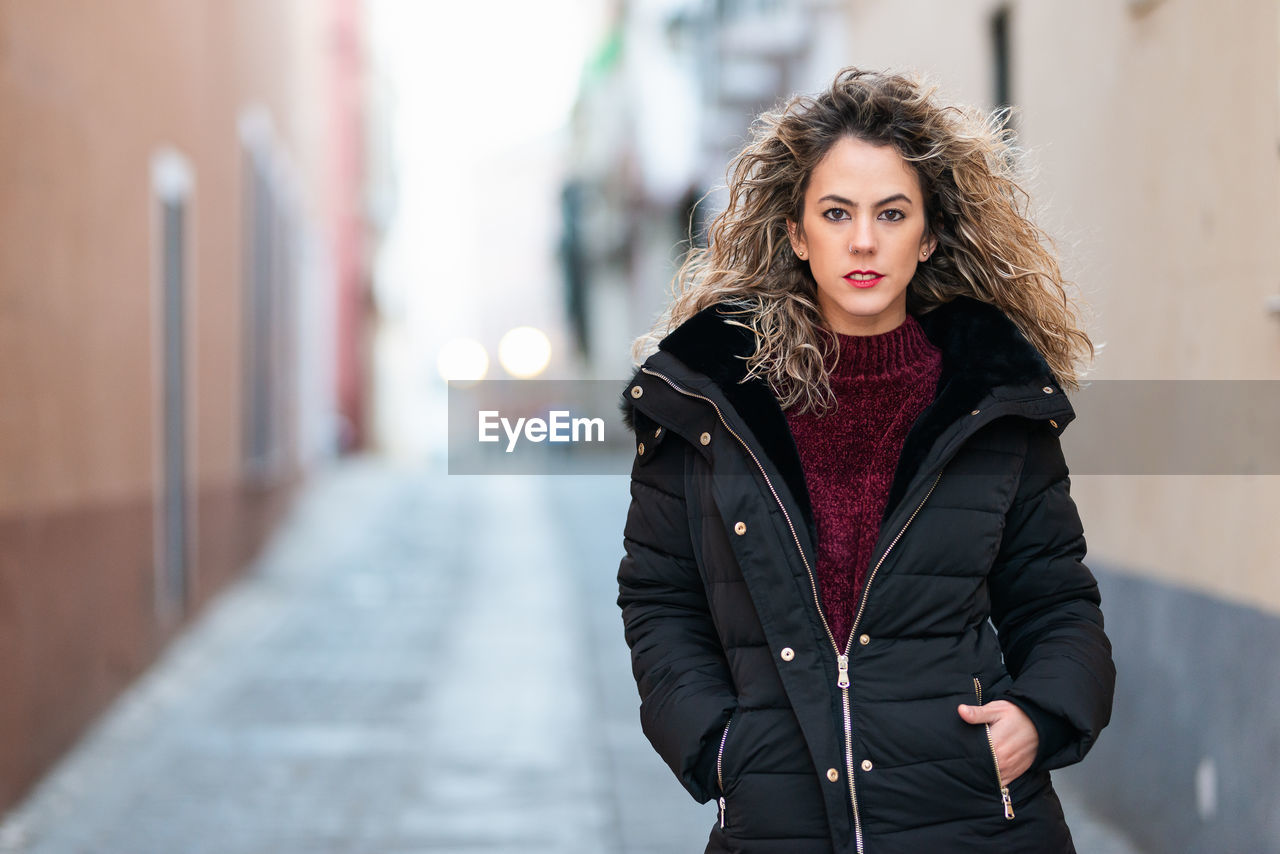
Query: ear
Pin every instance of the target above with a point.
(928, 244)
(796, 236)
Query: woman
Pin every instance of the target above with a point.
(853, 585)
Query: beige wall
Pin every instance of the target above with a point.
(88, 94)
(1155, 135)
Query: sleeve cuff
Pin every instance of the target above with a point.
(1054, 731)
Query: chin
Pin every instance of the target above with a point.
(865, 309)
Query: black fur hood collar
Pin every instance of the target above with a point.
(983, 354)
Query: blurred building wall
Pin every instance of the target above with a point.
(357, 183)
(1154, 126)
(171, 180)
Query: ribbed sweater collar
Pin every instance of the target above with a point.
(885, 354)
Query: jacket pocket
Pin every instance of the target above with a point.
(724, 739)
(995, 763)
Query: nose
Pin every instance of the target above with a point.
(862, 238)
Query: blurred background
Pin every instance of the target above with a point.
(244, 246)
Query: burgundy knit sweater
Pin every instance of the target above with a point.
(850, 453)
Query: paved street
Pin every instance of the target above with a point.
(418, 663)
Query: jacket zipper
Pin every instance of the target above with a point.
(842, 659)
(843, 679)
(724, 737)
(1004, 790)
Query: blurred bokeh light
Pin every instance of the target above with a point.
(524, 352)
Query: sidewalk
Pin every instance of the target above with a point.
(417, 664)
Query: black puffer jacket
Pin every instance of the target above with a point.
(744, 690)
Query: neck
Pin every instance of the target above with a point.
(879, 324)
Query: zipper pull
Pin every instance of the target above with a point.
(722, 811)
(1004, 796)
(843, 681)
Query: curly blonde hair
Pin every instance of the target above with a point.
(988, 247)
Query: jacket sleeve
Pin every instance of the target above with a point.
(686, 692)
(1046, 608)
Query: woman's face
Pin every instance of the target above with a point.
(863, 233)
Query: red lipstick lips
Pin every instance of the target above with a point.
(864, 278)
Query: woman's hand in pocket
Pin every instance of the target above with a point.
(1013, 735)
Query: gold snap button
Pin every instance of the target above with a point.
(705, 438)
(833, 775)
(787, 653)
(1053, 423)
(636, 391)
(866, 765)
(657, 432)
(740, 528)
(1047, 389)
(975, 412)
(640, 449)
(864, 639)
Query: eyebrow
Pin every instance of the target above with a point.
(841, 200)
